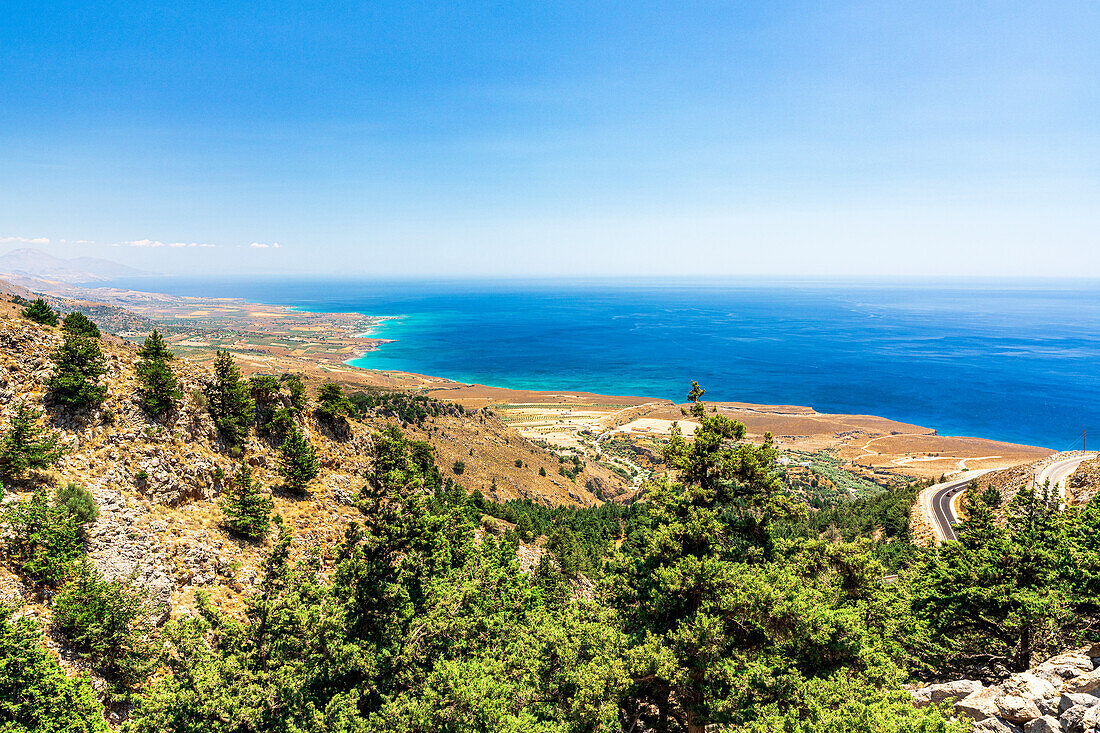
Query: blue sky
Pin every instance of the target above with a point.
(588, 138)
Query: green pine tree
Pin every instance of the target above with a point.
(333, 406)
(40, 312)
(298, 463)
(1001, 593)
(297, 389)
(230, 404)
(246, 508)
(26, 445)
(708, 597)
(42, 539)
(78, 366)
(79, 324)
(160, 390)
(35, 694)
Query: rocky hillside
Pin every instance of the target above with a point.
(1061, 694)
(158, 481)
(1084, 483)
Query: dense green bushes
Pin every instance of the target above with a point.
(703, 617)
(108, 622)
(35, 694)
(43, 539)
(1009, 592)
(26, 445)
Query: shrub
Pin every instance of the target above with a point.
(78, 365)
(281, 423)
(263, 387)
(35, 694)
(160, 390)
(272, 417)
(298, 463)
(40, 312)
(333, 406)
(107, 621)
(542, 471)
(43, 540)
(230, 404)
(26, 445)
(519, 463)
(459, 467)
(80, 325)
(408, 408)
(78, 501)
(297, 390)
(246, 508)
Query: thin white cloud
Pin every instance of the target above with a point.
(25, 240)
(158, 243)
(261, 245)
(76, 241)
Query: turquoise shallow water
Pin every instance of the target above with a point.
(1009, 361)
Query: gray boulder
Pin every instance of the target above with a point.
(935, 694)
(995, 725)
(1016, 700)
(1045, 724)
(1087, 682)
(1069, 699)
(1081, 719)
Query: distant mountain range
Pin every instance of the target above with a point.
(33, 263)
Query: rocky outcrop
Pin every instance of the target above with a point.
(1061, 695)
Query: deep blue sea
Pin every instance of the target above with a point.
(1009, 361)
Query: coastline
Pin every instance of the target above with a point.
(322, 345)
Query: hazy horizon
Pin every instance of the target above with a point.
(727, 140)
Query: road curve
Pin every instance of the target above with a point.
(1058, 471)
(937, 500)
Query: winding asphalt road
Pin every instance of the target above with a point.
(939, 505)
(1058, 471)
(938, 499)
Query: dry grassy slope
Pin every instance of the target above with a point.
(490, 450)
(165, 531)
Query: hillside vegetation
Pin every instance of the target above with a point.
(216, 551)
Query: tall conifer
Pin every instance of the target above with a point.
(159, 386)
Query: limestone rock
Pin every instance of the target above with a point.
(1066, 666)
(994, 725)
(935, 694)
(1081, 719)
(1069, 699)
(1045, 724)
(1016, 700)
(1088, 682)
